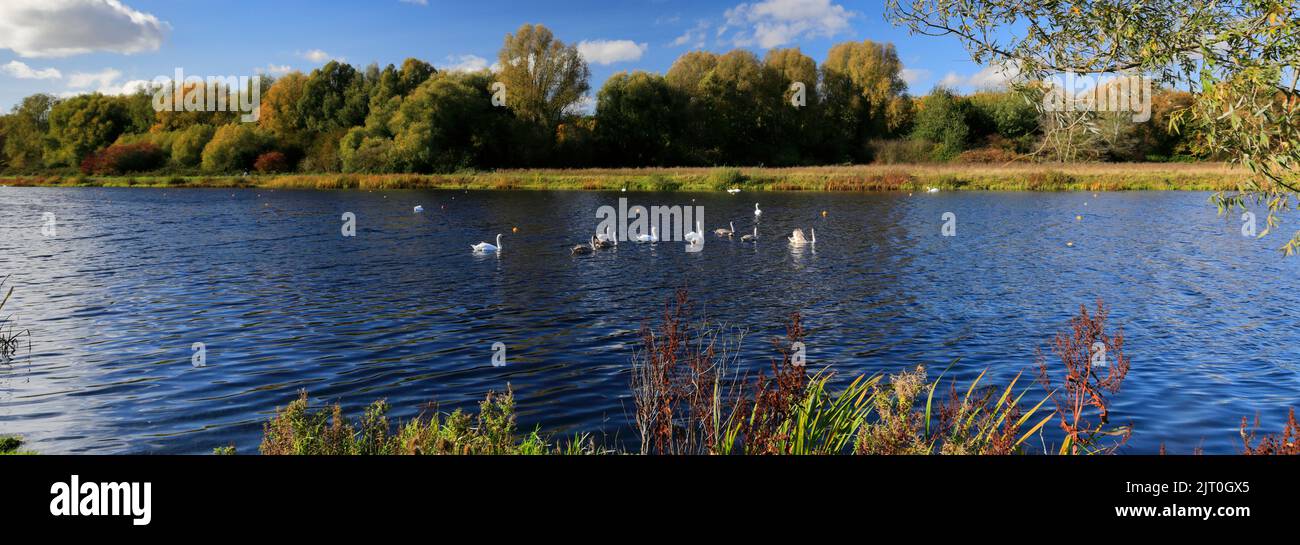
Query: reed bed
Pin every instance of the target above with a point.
(977, 177)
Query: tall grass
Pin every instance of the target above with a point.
(11, 338)
(301, 430)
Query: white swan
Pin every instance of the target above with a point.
(931, 190)
(651, 238)
(584, 249)
(751, 238)
(697, 234)
(733, 190)
(796, 238)
(757, 213)
(726, 232)
(607, 236)
(484, 247)
(603, 243)
(419, 208)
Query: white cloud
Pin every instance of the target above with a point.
(22, 71)
(61, 28)
(694, 36)
(320, 57)
(416, 2)
(586, 105)
(276, 69)
(913, 76)
(773, 23)
(465, 63)
(993, 76)
(611, 51)
(103, 78)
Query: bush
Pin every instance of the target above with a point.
(894, 152)
(987, 155)
(187, 146)
(122, 158)
(726, 178)
(272, 161)
(233, 148)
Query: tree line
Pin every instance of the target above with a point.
(708, 109)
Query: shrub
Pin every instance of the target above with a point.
(298, 429)
(187, 146)
(271, 161)
(725, 178)
(987, 155)
(233, 148)
(123, 158)
(893, 152)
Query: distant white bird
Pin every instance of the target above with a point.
(726, 232)
(484, 247)
(651, 238)
(419, 208)
(697, 234)
(757, 213)
(751, 238)
(931, 190)
(734, 190)
(796, 238)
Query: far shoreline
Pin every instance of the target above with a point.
(1202, 176)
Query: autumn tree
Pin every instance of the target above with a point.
(543, 76)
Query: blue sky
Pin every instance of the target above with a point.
(70, 46)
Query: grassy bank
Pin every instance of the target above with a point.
(1011, 177)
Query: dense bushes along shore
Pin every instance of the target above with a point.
(707, 110)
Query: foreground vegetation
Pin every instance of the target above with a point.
(690, 398)
(1004, 177)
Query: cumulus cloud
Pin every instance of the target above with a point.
(993, 76)
(465, 63)
(694, 36)
(102, 78)
(61, 28)
(773, 23)
(22, 71)
(105, 82)
(275, 69)
(913, 76)
(416, 2)
(611, 51)
(319, 57)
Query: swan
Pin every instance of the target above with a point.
(798, 239)
(726, 232)
(607, 236)
(733, 190)
(584, 249)
(484, 247)
(751, 238)
(602, 244)
(651, 238)
(419, 208)
(931, 190)
(757, 213)
(697, 234)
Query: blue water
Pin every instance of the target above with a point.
(404, 311)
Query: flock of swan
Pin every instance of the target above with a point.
(607, 240)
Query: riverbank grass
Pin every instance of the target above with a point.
(948, 177)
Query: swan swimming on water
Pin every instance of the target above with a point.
(757, 213)
(605, 243)
(751, 238)
(419, 208)
(697, 234)
(651, 238)
(733, 190)
(484, 247)
(797, 238)
(607, 236)
(584, 249)
(931, 190)
(726, 232)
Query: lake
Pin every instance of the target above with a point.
(281, 301)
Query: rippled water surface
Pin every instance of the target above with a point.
(405, 311)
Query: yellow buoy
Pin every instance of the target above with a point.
(823, 213)
(514, 229)
(1070, 244)
(1078, 218)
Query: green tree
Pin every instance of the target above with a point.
(234, 148)
(187, 146)
(797, 128)
(333, 97)
(27, 129)
(543, 76)
(941, 119)
(639, 119)
(83, 124)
